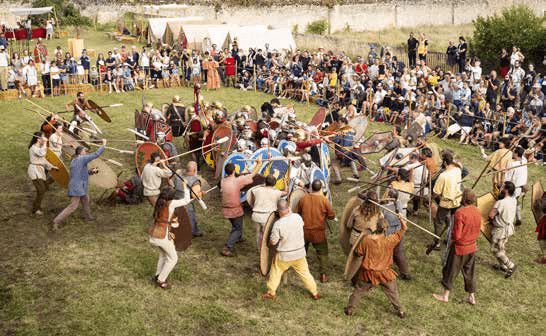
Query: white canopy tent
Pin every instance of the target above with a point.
(204, 36)
(250, 36)
(30, 11)
(281, 39)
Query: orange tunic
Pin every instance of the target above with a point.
(213, 78)
(377, 251)
(315, 209)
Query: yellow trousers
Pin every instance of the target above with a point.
(300, 266)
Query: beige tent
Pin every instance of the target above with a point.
(158, 26)
(202, 37)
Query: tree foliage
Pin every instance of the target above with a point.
(318, 27)
(67, 14)
(515, 26)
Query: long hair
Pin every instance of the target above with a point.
(367, 208)
(34, 139)
(166, 195)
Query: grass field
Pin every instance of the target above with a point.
(94, 278)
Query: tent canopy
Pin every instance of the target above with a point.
(281, 39)
(30, 11)
(157, 26)
(195, 35)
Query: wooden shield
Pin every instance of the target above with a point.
(359, 124)
(344, 232)
(61, 175)
(295, 197)
(414, 131)
(282, 144)
(267, 254)
(239, 160)
(318, 118)
(353, 261)
(144, 152)
(317, 174)
(391, 156)
(106, 178)
(376, 142)
(98, 110)
(485, 204)
(536, 200)
(183, 233)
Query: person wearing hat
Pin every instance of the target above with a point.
(77, 187)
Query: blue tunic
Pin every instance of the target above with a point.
(79, 174)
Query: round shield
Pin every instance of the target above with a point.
(318, 118)
(325, 160)
(60, 175)
(182, 234)
(144, 152)
(353, 261)
(105, 177)
(295, 196)
(282, 144)
(279, 170)
(359, 124)
(485, 204)
(267, 253)
(98, 110)
(344, 231)
(317, 174)
(239, 160)
(265, 153)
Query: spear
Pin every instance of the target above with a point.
(220, 141)
(388, 187)
(407, 220)
(112, 148)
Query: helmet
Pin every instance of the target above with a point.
(272, 134)
(176, 99)
(300, 135)
(240, 123)
(264, 142)
(219, 116)
(247, 133)
(241, 144)
(307, 160)
(218, 104)
(291, 117)
(156, 114)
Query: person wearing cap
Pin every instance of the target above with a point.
(77, 187)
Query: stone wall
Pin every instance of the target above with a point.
(359, 17)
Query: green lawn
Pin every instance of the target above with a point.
(94, 278)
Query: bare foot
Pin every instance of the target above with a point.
(440, 297)
(470, 300)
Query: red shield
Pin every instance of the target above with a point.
(144, 152)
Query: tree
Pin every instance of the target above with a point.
(67, 14)
(515, 26)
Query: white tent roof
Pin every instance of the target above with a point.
(30, 11)
(281, 39)
(196, 33)
(158, 25)
(250, 36)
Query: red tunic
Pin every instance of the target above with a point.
(466, 230)
(230, 66)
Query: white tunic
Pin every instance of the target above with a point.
(151, 179)
(38, 163)
(518, 175)
(56, 144)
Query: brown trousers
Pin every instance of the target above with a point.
(399, 258)
(362, 287)
(454, 265)
(41, 188)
